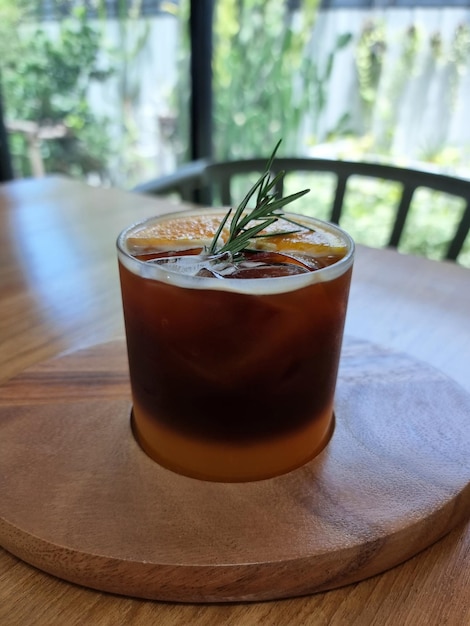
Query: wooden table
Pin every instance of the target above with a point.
(59, 292)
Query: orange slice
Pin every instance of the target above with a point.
(196, 231)
(318, 242)
(178, 233)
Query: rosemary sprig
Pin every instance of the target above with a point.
(246, 225)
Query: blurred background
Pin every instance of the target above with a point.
(101, 89)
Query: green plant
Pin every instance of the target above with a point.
(395, 86)
(45, 82)
(11, 14)
(266, 80)
(370, 51)
(132, 38)
(458, 60)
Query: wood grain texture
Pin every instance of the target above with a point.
(409, 304)
(81, 500)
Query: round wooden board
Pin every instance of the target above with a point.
(80, 500)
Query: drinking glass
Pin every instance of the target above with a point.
(233, 379)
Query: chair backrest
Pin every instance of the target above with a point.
(207, 182)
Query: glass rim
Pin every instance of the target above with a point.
(255, 286)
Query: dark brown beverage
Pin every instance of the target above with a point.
(234, 378)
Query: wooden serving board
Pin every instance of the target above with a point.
(80, 500)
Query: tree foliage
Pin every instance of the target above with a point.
(45, 81)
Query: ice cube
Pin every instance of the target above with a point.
(218, 266)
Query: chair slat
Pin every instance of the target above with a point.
(461, 234)
(338, 201)
(225, 191)
(279, 190)
(402, 214)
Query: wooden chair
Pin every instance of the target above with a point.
(209, 183)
